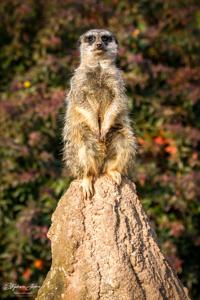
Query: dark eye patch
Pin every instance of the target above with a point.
(90, 39)
(106, 38)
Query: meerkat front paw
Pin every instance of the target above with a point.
(87, 187)
(115, 175)
(103, 133)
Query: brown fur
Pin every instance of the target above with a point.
(97, 134)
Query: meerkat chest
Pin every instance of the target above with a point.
(99, 89)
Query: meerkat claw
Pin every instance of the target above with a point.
(116, 176)
(87, 188)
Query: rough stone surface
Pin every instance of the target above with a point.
(104, 248)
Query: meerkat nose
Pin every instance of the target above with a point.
(99, 46)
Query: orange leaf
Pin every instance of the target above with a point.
(38, 264)
(159, 140)
(27, 274)
(171, 150)
(141, 141)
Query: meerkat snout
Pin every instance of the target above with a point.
(100, 46)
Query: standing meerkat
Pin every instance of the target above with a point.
(97, 134)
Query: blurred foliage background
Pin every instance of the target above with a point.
(160, 57)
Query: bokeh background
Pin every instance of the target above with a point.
(160, 57)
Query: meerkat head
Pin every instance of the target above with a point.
(97, 45)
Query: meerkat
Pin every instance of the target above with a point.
(98, 138)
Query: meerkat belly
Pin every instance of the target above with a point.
(100, 99)
(105, 99)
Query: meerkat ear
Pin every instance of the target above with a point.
(115, 39)
(79, 42)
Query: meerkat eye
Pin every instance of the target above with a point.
(90, 39)
(106, 38)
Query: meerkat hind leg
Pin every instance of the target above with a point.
(87, 159)
(115, 175)
(114, 166)
(112, 172)
(120, 153)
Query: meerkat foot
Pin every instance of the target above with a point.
(87, 187)
(115, 175)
